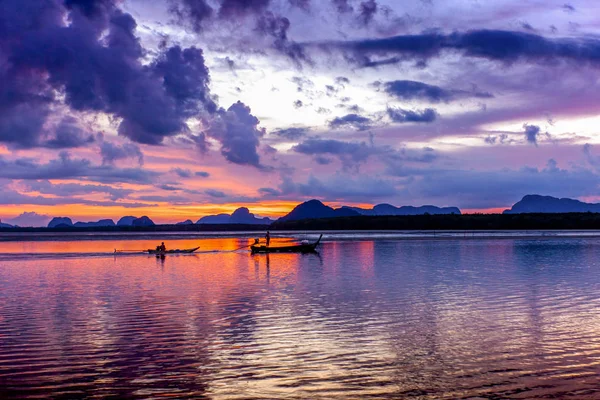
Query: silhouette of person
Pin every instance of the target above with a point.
(268, 237)
(163, 247)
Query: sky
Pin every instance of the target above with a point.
(178, 109)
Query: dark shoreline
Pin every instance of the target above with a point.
(156, 228)
(449, 222)
(464, 222)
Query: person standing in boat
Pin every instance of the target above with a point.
(268, 238)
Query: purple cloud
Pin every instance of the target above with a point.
(111, 152)
(238, 132)
(351, 120)
(399, 115)
(412, 90)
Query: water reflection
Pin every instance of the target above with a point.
(385, 318)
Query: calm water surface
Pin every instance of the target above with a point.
(381, 318)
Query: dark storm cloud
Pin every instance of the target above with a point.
(196, 12)
(498, 45)
(238, 132)
(185, 78)
(90, 8)
(66, 167)
(351, 120)
(96, 62)
(367, 11)
(230, 8)
(413, 90)
(111, 153)
(68, 134)
(531, 133)
(369, 63)
(276, 26)
(400, 116)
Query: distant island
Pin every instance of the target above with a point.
(531, 212)
(240, 216)
(534, 203)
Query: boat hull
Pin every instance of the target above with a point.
(175, 251)
(299, 248)
(284, 249)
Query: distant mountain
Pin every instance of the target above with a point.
(314, 209)
(62, 221)
(243, 216)
(142, 221)
(126, 221)
(214, 219)
(240, 216)
(388, 209)
(102, 222)
(186, 222)
(3, 225)
(533, 203)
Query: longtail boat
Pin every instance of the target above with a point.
(297, 248)
(174, 251)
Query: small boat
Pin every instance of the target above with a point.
(297, 248)
(174, 251)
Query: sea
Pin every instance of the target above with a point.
(372, 315)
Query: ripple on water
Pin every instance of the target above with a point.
(364, 319)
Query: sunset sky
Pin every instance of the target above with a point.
(177, 109)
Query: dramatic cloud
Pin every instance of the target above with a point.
(351, 121)
(531, 133)
(66, 167)
(68, 134)
(111, 152)
(352, 154)
(368, 9)
(497, 45)
(238, 132)
(75, 189)
(96, 61)
(196, 12)
(70, 69)
(240, 7)
(349, 153)
(399, 115)
(412, 90)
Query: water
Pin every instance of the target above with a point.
(379, 318)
